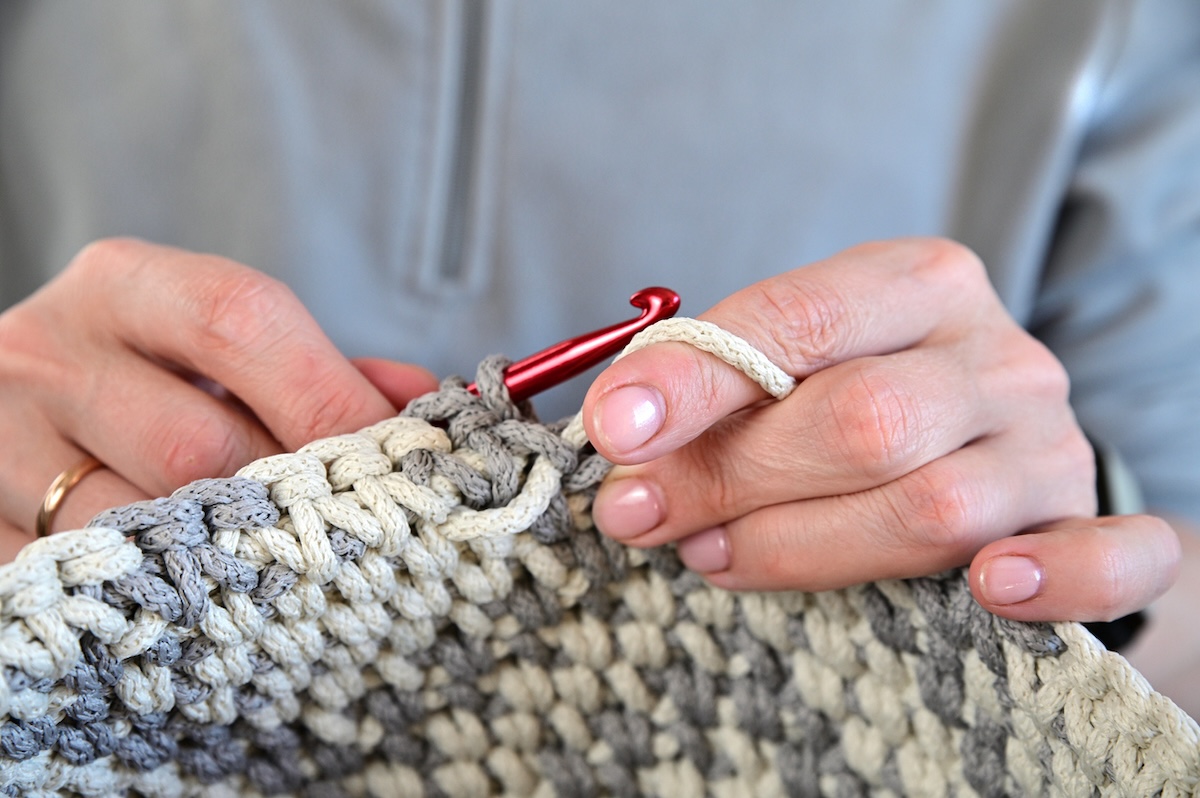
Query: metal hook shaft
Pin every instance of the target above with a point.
(564, 360)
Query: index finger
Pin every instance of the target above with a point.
(241, 329)
(874, 299)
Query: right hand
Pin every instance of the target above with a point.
(167, 366)
(928, 431)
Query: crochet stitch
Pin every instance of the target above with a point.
(425, 608)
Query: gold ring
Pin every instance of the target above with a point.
(59, 489)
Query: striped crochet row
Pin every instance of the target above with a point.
(424, 608)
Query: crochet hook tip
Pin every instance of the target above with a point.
(569, 358)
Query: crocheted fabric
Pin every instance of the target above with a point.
(424, 608)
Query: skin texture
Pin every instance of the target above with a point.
(928, 431)
(168, 366)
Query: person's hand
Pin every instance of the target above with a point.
(1167, 651)
(928, 431)
(167, 366)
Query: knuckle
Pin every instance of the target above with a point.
(196, 447)
(876, 425)
(1039, 372)
(947, 262)
(39, 340)
(33, 359)
(695, 385)
(237, 308)
(105, 253)
(22, 346)
(1026, 374)
(722, 497)
(328, 408)
(776, 555)
(940, 511)
(722, 486)
(1079, 461)
(807, 320)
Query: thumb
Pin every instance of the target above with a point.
(1080, 569)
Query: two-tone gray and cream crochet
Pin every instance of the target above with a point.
(424, 608)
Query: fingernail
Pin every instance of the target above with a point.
(630, 416)
(706, 552)
(1010, 579)
(626, 508)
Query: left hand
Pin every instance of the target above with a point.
(929, 431)
(166, 366)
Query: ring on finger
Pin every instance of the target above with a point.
(58, 491)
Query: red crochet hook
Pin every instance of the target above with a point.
(564, 360)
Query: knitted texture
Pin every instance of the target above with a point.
(424, 608)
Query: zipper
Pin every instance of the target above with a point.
(473, 56)
(452, 265)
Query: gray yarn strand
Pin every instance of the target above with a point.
(578, 666)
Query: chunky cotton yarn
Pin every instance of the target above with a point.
(424, 608)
